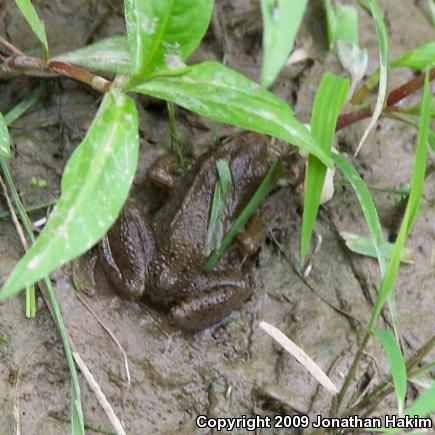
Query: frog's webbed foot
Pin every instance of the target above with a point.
(209, 299)
(127, 251)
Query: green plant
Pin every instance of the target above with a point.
(161, 34)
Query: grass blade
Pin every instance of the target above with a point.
(34, 22)
(5, 140)
(341, 23)
(412, 207)
(215, 226)
(259, 196)
(397, 366)
(95, 184)
(328, 102)
(381, 32)
(281, 21)
(368, 207)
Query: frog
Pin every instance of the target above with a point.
(161, 261)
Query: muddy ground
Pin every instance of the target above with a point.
(233, 369)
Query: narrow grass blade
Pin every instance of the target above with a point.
(412, 207)
(268, 183)
(419, 58)
(109, 54)
(397, 366)
(95, 185)
(162, 33)
(364, 246)
(368, 207)
(34, 22)
(341, 23)
(381, 32)
(220, 93)
(281, 21)
(301, 356)
(215, 227)
(328, 102)
(23, 105)
(424, 404)
(77, 424)
(5, 140)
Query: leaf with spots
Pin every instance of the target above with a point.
(220, 93)
(162, 33)
(5, 142)
(94, 187)
(108, 54)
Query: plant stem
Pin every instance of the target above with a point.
(393, 98)
(336, 402)
(384, 388)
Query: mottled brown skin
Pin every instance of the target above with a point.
(163, 263)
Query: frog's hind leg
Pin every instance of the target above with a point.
(127, 251)
(212, 297)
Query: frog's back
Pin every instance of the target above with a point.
(181, 225)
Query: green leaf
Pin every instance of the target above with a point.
(381, 32)
(95, 185)
(34, 22)
(162, 33)
(268, 183)
(109, 54)
(364, 246)
(397, 365)
(330, 97)
(281, 21)
(424, 404)
(215, 226)
(368, 207)
(347, 23)
(341, 23)
(222, 94)
(5, 140)
(419, 58)
(412, 207)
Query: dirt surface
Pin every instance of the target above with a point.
(233, 369)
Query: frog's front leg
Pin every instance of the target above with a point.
(209, 298)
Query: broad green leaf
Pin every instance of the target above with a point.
(364, 246)
(281, 21)
(109, 54)
(268, 183)
(215, 226)
(381, 32)
(5, 140)
(34, 22)
(220, 93)
(162, 33)
(368, 207)
(397, 365)
(95, 185)
(329, 100)
(412, 207)
(419, 58)
(341, 23)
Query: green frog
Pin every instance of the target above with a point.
(162, 261)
